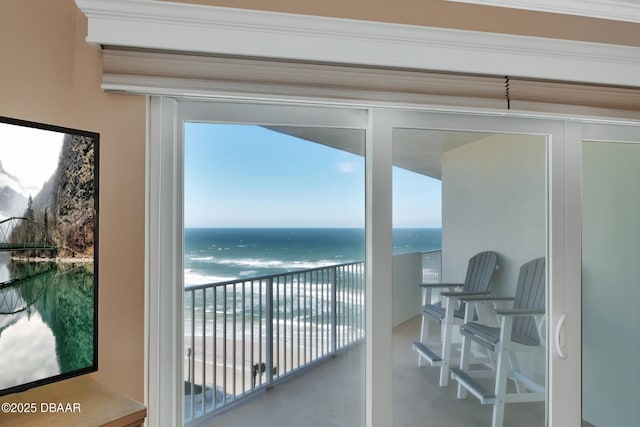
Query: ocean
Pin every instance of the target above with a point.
(221, 254)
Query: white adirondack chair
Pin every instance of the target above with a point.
(479, 273)
(519, 331)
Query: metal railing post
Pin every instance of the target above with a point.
(192, 354)
(204, 348)
(269, 332)
(333, 280)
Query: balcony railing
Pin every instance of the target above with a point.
(432, 272)
(245, 335)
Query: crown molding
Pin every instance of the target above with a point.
(210, 30)
(616, 10)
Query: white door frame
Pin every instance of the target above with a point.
(166, 238)
(564, 238)
(607, 132)
(563, 407)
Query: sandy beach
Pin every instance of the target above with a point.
(235, 374)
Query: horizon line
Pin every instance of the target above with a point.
(302, 227)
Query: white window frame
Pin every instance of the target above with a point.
(166, 239)
(563, 406)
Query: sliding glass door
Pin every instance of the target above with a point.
(553, 199)
(610, 275)
(260, 212)
(274, 270)
(492, 197)
(491, 203)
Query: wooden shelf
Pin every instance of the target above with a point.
(75, 402)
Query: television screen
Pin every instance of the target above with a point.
(48, 253)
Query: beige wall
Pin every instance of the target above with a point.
(440, 13)
(49, 74)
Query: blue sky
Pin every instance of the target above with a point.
(249, 176)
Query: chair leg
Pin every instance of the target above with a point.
(446, 342)
(502, 371)
(515, 366)
(424, 332)
(464, 364)
(424, 323)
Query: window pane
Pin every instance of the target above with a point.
(492, 203)
(610, 271)
(274, 274)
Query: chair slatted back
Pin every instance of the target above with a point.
(480, 271)
(530, 294)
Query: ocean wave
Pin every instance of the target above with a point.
(248, 273)
(259, 262)
(262, 263)
(201, 258)
(251, 262)
(194, 278)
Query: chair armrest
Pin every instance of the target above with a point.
(473, 298)
(462, 295)
(520, 312)
(441, 285)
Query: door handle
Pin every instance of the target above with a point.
(559, 324)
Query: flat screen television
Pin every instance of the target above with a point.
(48, 253)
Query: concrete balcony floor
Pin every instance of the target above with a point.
(332, 395)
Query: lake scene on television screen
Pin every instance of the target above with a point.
(47, 252)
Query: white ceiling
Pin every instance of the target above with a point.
(417, 150)
(420, 150)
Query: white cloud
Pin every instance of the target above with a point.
(29, 154)
(347, 167)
